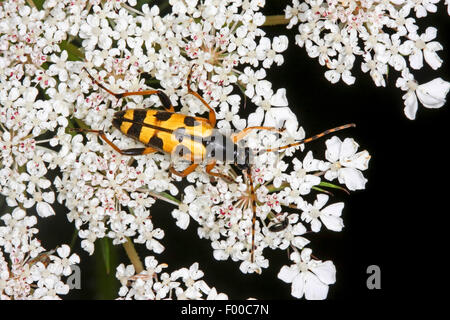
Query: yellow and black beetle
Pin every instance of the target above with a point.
(193, 138)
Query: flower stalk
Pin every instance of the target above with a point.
(275, 20)
(133, 256)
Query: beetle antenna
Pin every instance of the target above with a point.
(315, 137)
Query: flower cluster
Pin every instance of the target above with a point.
(386, 36)
(152, 283)
(97, 189)
(29, 40)
(46, 90)
(27, 271)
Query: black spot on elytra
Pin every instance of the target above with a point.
(162, 115)
(190, 121)
(117, 122)
(135, 130)
(139, 115)
(156, 142)
(118, 119)
(119, 114)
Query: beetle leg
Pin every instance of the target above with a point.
(185, 172)
(125, 152)
(253, 204)
(165, 101)
(212, 113)
(235, 137)
(138, 151)
(209, 171)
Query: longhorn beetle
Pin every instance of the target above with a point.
(171, 132)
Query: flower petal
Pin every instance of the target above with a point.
(411, 105)
(315, 289)
(333, 149)
(433, 94)
(300, 242)
(321, 200)
(256, 118)
(332, 223)
(432, 58)
(287, 274)
(63, 251)
(416, 59)
(325, 271)
(348, 149)
(44, 210)
(298, 285)
(279, 98)
(334, 209)
(359, 161)
(353, 178)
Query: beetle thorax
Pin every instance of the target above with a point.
(222, 148)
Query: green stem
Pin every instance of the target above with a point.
(133, 256)
(272, 188)
(332, 185)
(164, 197)
(322, 190)
(275, 20)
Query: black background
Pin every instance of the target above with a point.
(396, 223)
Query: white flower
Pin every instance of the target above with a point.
(63, 263)
(421, 7)
(292, 13)
(182, 216)
(225, 248)
(383, 33)
(321, 49)
(316, 214)
(396, 59)
(194, 287)
(377, 70)
(214, 295)
(300, 179)
(420, 47)
(273, 111)
(59, 66)
(95, 31)
(124, 273)
(346, 164)
(340, 69)
(431, 94)
(24, 263)
(229, 108)
(250, 78)
(310, 278)
(270, 53)
(148, 235)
